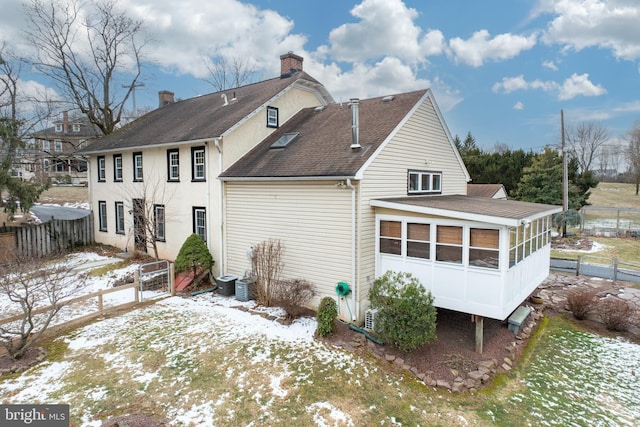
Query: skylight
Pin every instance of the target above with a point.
(285, 139)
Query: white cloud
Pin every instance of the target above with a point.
(550, 65)
(480, 48)
(385, 27)
(518, 106)
(610, 24)
(388, 76)
(228, 28)
(578, 85)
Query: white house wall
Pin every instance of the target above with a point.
(423, 144)
(180, 197)
(312, 219)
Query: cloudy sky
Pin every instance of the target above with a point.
(500, 69)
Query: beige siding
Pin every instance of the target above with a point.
(422, 144)
(312, 219)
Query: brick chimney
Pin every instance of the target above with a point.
(290, 64)
(165, 97)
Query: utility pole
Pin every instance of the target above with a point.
(565, 180)
(133, 87)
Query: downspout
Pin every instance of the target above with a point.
(353, 250)
(218, 143)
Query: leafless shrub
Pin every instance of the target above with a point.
(616, 314)
(581, 302)
(293, 295)
(36, 288)
(267, 266)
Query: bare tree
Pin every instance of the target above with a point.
(92, 51)
(225, 74)
(36, 287)
(267, 264)
(584, 141)
(149, 210)
(633, 154)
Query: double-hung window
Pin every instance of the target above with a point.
(173, 165)
(101, 169)
(449, 244)
(46, 146)
(137, 167)
(158, 222)
(120, 217)
(57, 145)
(200, 222)
(102, 215)
(117, 167)
(391, 237)
(197, 164)
(425, 182)
(272, 117)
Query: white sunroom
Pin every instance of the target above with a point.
(476, 255)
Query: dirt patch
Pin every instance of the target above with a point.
(32, 357)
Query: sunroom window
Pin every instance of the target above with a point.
(484, 249)
(418, 237)
(391, 237)
(449, 244)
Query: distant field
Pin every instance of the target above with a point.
(615, 194)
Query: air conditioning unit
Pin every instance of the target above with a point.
(370, 318)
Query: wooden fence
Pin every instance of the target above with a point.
(50, 237)
(101, 310)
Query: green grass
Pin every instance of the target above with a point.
(615, 194)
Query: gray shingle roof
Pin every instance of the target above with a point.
(511, 211)
(197, 118)
(322, 148)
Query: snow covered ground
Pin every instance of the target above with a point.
(208, 361)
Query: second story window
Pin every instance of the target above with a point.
(117, 167)
(57, 145)
(173, 165)
(197, 164)
(101, 169)
(272, 117)
(137, 166)
(425, 182)
(46, 146)
(76, 127)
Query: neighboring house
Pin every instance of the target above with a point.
(494, 191)
(353, 190)
(154, 181)
(53, 151)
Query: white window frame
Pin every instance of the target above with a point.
(198, 163)
(137, 167)
(76, 127)
(119, 217)
(57, 145)
(159, 224)
(102, 215)
(173, 165)
(272, 117)
(58, 127)
(200, 222)
(117, 168)
(426, 182)
(46, 145)
(102, 169)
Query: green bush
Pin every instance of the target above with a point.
(406, 317)
(194, 254)
(327, 316)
